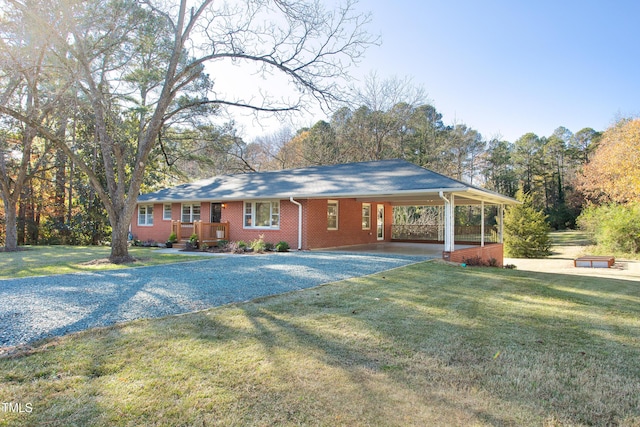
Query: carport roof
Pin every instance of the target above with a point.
(395, 181)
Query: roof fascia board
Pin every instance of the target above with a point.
(480, 194)
(471, 193)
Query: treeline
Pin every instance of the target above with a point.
(546, 167)
(58, 204)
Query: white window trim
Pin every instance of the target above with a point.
(191, 205)
(368, 217)
(147, 216)
(164, 212)
(333, 202)
(252, 203)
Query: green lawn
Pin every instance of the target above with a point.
(570, 238)
(47, 260)
(429, 344)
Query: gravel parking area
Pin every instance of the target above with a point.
(40, 307)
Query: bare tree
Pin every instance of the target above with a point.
(98, 44)
(23, 75)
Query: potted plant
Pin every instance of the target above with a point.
(173, 238)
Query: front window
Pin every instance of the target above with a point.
(366, 216)
(166, 213)
(332, 215)
(145, 215)
(190, 213)
(262, 214)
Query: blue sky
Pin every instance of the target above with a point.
(511, 67)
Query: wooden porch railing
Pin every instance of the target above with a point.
(207, 232)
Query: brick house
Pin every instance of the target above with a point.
(309, 208)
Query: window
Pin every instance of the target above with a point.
(190, 213)
(366, 216)
(145, 215)
(262, 214)
(332, 215)
(166, 212)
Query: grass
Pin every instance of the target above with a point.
(48, 260)
(429, 344)
(570, 238)
(582, 239)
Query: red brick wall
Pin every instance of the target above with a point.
(288, 232)
(494, 250)
(315, 233)
(160, 230)
(349, 230)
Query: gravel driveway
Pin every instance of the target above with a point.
(39, 307)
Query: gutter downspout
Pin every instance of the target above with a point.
(299, 221)
(441, 194)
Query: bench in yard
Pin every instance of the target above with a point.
(594, 261)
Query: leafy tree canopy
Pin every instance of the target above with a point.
(613, 174)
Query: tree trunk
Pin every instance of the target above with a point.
(60, 188)
(11, 237)
(119, 241)
(21, 221)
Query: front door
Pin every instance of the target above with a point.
(216, 212)
(380, 222)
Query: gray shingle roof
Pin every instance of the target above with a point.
(378, 178)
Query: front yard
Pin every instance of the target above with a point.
(428, 344)
(47, 260)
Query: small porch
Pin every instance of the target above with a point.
(209, 233)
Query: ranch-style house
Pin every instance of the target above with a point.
(319, 207)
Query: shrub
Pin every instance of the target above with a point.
(526, 232)
(474, 262)
(282, 247)
(269, 247)
(173, 238)
(479, 262)
(258, 245)
(614, 227)
(234, 248)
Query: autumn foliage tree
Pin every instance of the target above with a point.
(613, 174)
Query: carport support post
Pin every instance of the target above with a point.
(482, 224)
(501, 220)
(449, 222)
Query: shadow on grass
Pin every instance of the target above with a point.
(423, 345)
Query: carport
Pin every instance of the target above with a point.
(444, 241)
